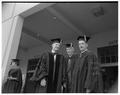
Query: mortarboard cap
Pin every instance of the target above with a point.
(84, 38)
(15, 60)
(58, 40)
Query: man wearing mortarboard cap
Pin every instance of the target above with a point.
(14, 78)
(86, 74)
(49, 70)
(69, 65)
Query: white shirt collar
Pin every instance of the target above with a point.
(70, 56)
(53, 51)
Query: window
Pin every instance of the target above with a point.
(108, 54)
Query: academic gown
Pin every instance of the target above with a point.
(69, 66)
(13, 85)
(86, 74)
(52, 72)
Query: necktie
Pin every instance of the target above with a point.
(69, 70)
(69, 64)
(54, 66)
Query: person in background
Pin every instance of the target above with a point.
(86, 74)
(69, 65)
(50, 69)
(14, 79)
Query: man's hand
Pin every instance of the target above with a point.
(87, 91)
(32, 79)
(9, 77)
(43, 82)
(64, 85)
(12, 78)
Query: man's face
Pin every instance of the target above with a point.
(70, 51)
(82, 45)
(13, 63)
(56, 46)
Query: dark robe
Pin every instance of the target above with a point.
(13, 85)
(68, 72)
(52, 72)
(86, 74)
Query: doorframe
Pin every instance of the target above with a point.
(14, 38)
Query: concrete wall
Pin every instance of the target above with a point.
(9, 12)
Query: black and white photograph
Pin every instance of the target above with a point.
(59, 47)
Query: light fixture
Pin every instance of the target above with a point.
(54, 17)
(98, 11)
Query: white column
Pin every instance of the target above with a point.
(12, 46)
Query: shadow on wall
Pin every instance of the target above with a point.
(114, 88)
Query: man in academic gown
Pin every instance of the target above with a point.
(69, 65)
(50, 69)
(86, 74)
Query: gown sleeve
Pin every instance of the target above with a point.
(92, 73)
(41, 70)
